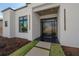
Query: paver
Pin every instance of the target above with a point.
(44, 44)
(38, 52)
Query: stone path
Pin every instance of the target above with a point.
(41, 49)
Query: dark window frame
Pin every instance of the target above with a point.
(23, 20)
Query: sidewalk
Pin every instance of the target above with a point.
(41, 49)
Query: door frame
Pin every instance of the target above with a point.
(41, 24)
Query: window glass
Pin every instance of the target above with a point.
(23, 24)
(20, 18)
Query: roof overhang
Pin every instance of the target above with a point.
(7, 9)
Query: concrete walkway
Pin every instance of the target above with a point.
(41, 49)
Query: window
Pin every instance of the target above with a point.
(23, 24)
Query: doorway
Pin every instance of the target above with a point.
(49, 29)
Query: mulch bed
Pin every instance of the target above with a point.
(9, 45)
(71, 51)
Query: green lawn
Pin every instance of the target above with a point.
(25, 49)
(56, 50)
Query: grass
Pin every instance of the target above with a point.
(25, 49)
(56, 50)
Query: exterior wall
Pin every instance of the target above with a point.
(19, 13)
(70, 37)
(35, 26)
(29, 8)
(24, 12)
(9, 17)
(6, 17)
(59, 24)
(12, 24)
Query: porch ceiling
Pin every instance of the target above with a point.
(48, 11)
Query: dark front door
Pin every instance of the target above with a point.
(49, 29)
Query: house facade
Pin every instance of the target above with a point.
(25, 22)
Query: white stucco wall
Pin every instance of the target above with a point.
(70, 37)
(35, 26)
(19, 13)
(12, 23)
(29, 8)
(6, 17)
(33, 23)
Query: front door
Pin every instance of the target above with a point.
(49, 29)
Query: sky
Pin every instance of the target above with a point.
(12, 5)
